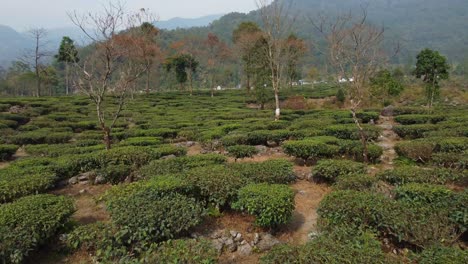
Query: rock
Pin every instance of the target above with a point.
(310, 177)
(271, 144)
(85, 176)
(238, 237)
(256, 238)
(388, 111)
(172, 156)
(16, 109)
(301, 192)
(84, 182)
(73, 180)
(312, 235)
(245, 249)
(190, 144)
(231, 246)
(204, 151)
(82, 191)
(233, 233)
(261, 149)
(266, 242)
(216, 234)
(99, 180)
(218, 245)
(372, 122)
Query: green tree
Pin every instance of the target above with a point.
(181, 64)
(432, 67)
(385, 84)
(67, 54)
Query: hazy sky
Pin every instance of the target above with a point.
(24, 14)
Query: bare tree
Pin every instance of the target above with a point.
(34, 57)
(277, 26)
(118, 59)
(355, 50)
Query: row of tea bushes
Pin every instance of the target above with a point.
(29, 222)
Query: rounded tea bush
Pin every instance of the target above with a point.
(331, 170)
(29, 222)
(442, 255)
(272, 171)
(193, 251)
(272, 205)
(7, 151)
(242, 151)
(319, 147)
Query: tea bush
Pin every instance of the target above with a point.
(441, 255)
(189, 251)
(180, 164)
(458, 161)
(414, 131)
(331, 170)
(41, 137)
(416, 150)
(357, 182)
(352, 132)
(419, 119)
(319, 147)
(242, 151)
(29, 222)
(141, 141)
(412, 174)
(7, 151)
(272, 205)
(217, 184)
(417, 193)
(278, 171)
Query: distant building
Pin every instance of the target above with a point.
(345, 80)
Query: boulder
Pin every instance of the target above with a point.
(267, 241)
(388, 111)
(231, 246)
(218, 244)
(73, 180)
(261, 149)
(172, 156)
(99, 180)
(245, 249)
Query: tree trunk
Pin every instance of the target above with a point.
(67, 82)
(248, 83)
(362, 135)
(107, 137)
(277, 102)
(148, 74)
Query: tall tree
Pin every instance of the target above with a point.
(355, 50)
(245, 38)
(116, 62)
(67, 54)
(277, 26)
(150, 32)
(182, 65)
(35, 57)
(432, 67)
(217, 52)
(295, 49)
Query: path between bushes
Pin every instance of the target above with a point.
(387, 141)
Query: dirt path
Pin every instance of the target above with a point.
(387, 141)
(308, 197)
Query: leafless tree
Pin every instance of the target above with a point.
(35, 56)
(118, 59)
(355, 50)
(277, 24)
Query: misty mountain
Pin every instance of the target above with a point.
(178, 22)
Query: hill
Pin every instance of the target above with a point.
(179, 22)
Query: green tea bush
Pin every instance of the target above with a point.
(41, 137)
(454, 144)
(16, 181)
(418, 193)
(259, 137)
(272, 205)
(153, 212)
(141, 141)
(441, 255)
(354, 150)
(188, 251)
(180, 165)
(4, 107)
(218, 185)
(234, 139)
(279, 171)
(356, 210)
(401, 175)
(331, 170)
(115, 174)
(366, 117)
(357, 182)
(155, 132)
(352, 132)
(415, 150)
(319, 147)
(9, 123)
(457, 161)
(7, 151)
(242, 151)
(29, 222)
(414, 131)
(19, 118)
(419, 119)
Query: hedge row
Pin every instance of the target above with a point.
(29, 222)
(7, 151)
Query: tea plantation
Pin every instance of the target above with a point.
(179, 163)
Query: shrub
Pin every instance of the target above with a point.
(415, 150)
(456, 161)
(141, 141)
(418, 119)
(116, 173)
(413, 174)
(153, 212)
(357, 182)
(7, 151)
(354, 149)
(217, 184)
(277, 171)
(355, 210)
(366, 117)
(414, 131)
(456, 144)
(188, 251)
(352, 132)
(234, 139)
(41, 137)
(442, 255)
(259, 137)
(331, 170)
(29, 222)
(16, 181)
(272, 205)
(157, 132)
(180, 164)
(242, 151)
(417, 193)
(318, 147)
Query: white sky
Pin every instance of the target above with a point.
(24, 14)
